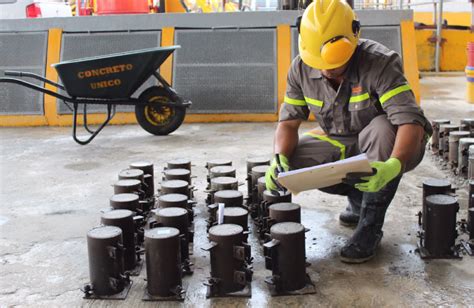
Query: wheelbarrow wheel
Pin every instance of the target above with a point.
(156, 117)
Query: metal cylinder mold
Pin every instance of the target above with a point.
(230, 198)
(178, 200)
(471, 194)
(177, 174)
(452, 154)
(218, 162)
(131, 174)
(180, 163)
(175, 187)
(124, 220)
(285, 212)
(219, 171)
(221, 183)
(149, 176)
(261, 187)
(106, 269)
(176, 217)
(440, 229)
(444, 131)
(236, 216)
(230, 260)
(434, 187)
(125, 202)
(285, 256)
(127, 186)
(255, 173)
(435, 137)
(163, 264)
(253, 162)
(468, 124)
(463, 156)
(270, 198)
(470, 168)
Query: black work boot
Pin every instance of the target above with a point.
(350, 217)
(362, 245)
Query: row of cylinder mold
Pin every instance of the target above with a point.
(441, 235)
(454, 145)
(133, 226)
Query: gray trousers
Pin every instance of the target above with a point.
(376, 140)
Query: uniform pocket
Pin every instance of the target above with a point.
(316, 108)
(362, 112)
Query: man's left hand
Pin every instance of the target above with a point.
(386, 171)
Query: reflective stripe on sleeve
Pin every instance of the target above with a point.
(359, 98)
(293, 101)
(335, 143)
(386, 96)
(313, 101)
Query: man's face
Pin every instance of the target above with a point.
(335, 73)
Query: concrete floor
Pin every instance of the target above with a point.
(52, 191)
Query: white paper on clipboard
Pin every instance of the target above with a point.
(324, 175)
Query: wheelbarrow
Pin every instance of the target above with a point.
(111, 80)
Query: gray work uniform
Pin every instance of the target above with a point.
(362, 116)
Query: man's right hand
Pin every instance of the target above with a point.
(272, 172)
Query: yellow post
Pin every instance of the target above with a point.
(410, 61)
(166, 69)
(53, 56)
(283, 60)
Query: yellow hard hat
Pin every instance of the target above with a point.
(329, 32)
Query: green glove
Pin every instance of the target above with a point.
(272, 172)
(386, 171)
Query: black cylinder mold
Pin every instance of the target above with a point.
(470, 168)
(163, 264)
(453, 147)
(106, 269)
(285, 256)
(440, 230)
(433, 186)
(125, 202)
(468, 124)
(463, 156)
(175, 187)
(435, 138)
(230, 261)
(218, 171)
(131, 174)
(124, 220)
(470, 222)
(230, 198)
(218, 162)
(178, 218)
(127, 186)
(444, 131)
(253, 162)
(177, 174)
(148, 177)
(261, 187)
(471, 194)
(179, 163)
(270, 198)
(236, 216)
(221, 183)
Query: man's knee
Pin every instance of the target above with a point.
(378, 138)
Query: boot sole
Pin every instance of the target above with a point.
(348, 224)
(356, 261)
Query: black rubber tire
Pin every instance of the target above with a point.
(148, 116)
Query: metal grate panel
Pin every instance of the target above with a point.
(385, 35)
(232, 71)
(80, 45)
(22, 52)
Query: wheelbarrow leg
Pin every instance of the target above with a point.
(110, 115)
(86, 127)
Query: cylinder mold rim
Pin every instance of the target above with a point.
(286, 228)
(235, 211)
(131, 173)
(104, 232)
(260, 169)
(222, 169)
(258, 160)
(441, 200)
(128, 182)
(466, 140)
(284, 206)
(174, 183)
(219, 162)
(141, 164)
(124, 198)
(161, 233)
(172, 212)
(228, 194)
(177, 171)
(222, 180)
(432, 182)
(179, 161)
(117, 214)
(173, 198)
(225, 230)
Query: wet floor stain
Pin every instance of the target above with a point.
(82, 166)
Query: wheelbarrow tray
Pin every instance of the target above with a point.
(113, 76)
